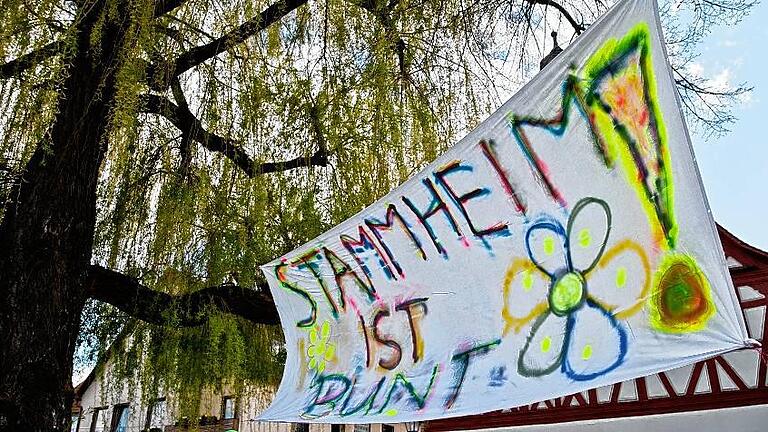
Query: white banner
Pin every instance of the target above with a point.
(564, 244)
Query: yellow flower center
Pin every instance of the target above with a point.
(567, 293)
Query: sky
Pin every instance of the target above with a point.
(735, 167)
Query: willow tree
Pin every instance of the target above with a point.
(155, 152)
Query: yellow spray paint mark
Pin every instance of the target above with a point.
(527, 280)
(621, 277)
(546, 344)
(585, 238)
(681, 300)
(549, 245)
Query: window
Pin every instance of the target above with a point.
(337, 428)
(362, 428)
(156, 414)
(95, 419)
(228, 408)
(120, 418)
(387, 428)
(74, 424)
(300, 427)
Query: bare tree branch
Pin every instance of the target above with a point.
(160, 74)
(184, 120)
(187, 310)
(162, 7)
(16, 66)
(578, 28)
(707, 105)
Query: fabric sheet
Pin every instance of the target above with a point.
(565, 244)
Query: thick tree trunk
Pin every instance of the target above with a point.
(46, 238)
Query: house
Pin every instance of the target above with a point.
(729, 391)
(104, 405)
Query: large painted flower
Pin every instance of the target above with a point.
(575, 292)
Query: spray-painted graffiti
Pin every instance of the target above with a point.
(320, 350)
(568, 258)
(541, 257)
(681, 300)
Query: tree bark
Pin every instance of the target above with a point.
(46, 238)
(183, 310)
(48, 222)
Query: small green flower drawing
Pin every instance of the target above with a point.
(320, 351)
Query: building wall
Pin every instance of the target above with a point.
(105, 396)
(104, 393)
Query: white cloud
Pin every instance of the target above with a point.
(675, 8)
(722, 80)
(746, 99)
(695, 69)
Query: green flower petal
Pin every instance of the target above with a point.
(313, 336)
(330, 351)
(326, 331)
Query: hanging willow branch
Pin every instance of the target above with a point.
(186, 310)
(383, 12)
